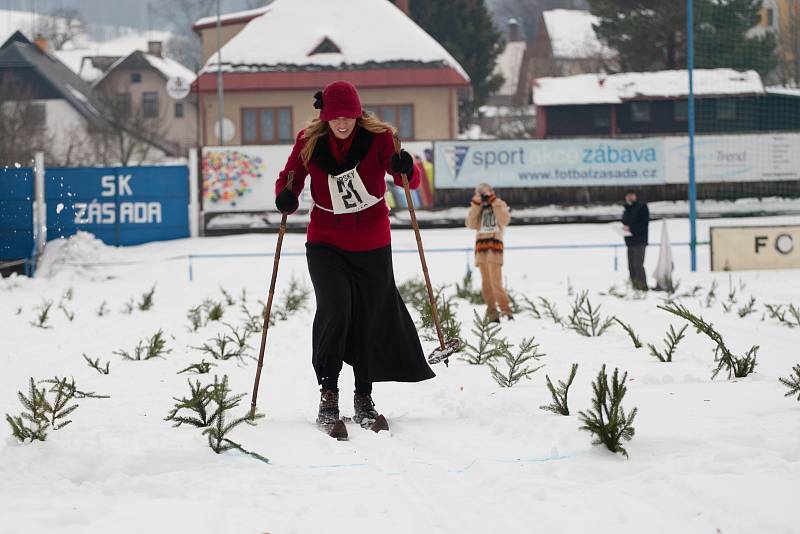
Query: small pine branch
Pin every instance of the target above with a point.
(530, 306)
(637, 343)
(513, 302)
(102, 310)
(792, 382)
(254, 322)
(607, 420)
(195, 316)
(229, 300)
(711, 296)
(137, 354)
(214, 310)
(738, 366)
(219, 429)
(559, 404)
(147, 299)
(585, 319)
(794, 311)
(240, 339)
(671, 342)
(222, 347)
(70, 387)
(95, 364)
(516, 364)
(196, 403)
(486, 331)
(32, 424)
(129, 307)
(70, 315)
(550, 310)
(748, 308)
(465, 291)
(43, 315)
(293, 300)
(198, 368)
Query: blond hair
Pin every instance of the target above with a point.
(317, 128)
(483, 187)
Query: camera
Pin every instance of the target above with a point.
(485, 197)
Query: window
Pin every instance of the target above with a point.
(640, 111)
(264, 126)
(726, 109)
(136, 77)
(178, 110)
(38, 115)
(601, 117)
(150, 104)
(124, 104)
(401, 117)
(680, 111)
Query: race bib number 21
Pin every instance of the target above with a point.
(348, 194)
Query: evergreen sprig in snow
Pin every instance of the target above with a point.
(792, 382)
(517, 366)
(486, 347)
(671, 342)
(607, 419)
(559, 404)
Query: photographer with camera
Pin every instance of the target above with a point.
(489, 215)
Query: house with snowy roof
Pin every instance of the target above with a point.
(139, 82)
(508, 113)
(62, 106)
(656, 103)
(67, 113)
(566, 44)
(275, 58)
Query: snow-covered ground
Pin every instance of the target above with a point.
(464, 455)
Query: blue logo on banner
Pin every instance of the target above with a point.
(454, 157)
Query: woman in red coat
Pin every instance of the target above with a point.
(361, 318)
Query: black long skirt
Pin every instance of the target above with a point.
(361, 318)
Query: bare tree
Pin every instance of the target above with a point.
(133, 130)
(61, 26)
(789, 44)
(180, 15)
(23, 129)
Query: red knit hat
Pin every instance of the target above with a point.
(339, 99)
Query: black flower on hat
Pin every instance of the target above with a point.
(318, 100)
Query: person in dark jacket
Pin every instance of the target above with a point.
(361, 318)
(635, 220)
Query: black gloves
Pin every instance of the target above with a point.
(402, 163)
(286, 201)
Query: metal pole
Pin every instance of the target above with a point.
(692, 184)
(40, 214)
(220, 91)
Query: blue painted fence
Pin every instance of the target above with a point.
(16, 213)
(119, 205)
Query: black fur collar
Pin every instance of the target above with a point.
(322, 157)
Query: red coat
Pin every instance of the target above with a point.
(371, 155)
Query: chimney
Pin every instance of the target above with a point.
(41, 42)
(155, 48)
(403, 6)
(513, 30)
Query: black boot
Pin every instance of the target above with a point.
(328, 407)
(364, 410)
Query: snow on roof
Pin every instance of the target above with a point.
(366, 31)
(118, 47)
(170, 68)
(572, 34)
(616, 88)
(508, 65)
(781, 90)
(239, 15)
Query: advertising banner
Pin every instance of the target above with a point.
(734, 158)
(119, 205)
(735, 248)
(549, 163)
(242, 178)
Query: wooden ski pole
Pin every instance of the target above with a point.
(451, 346)
(268, 307)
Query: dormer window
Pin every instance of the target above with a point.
(326, 46)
